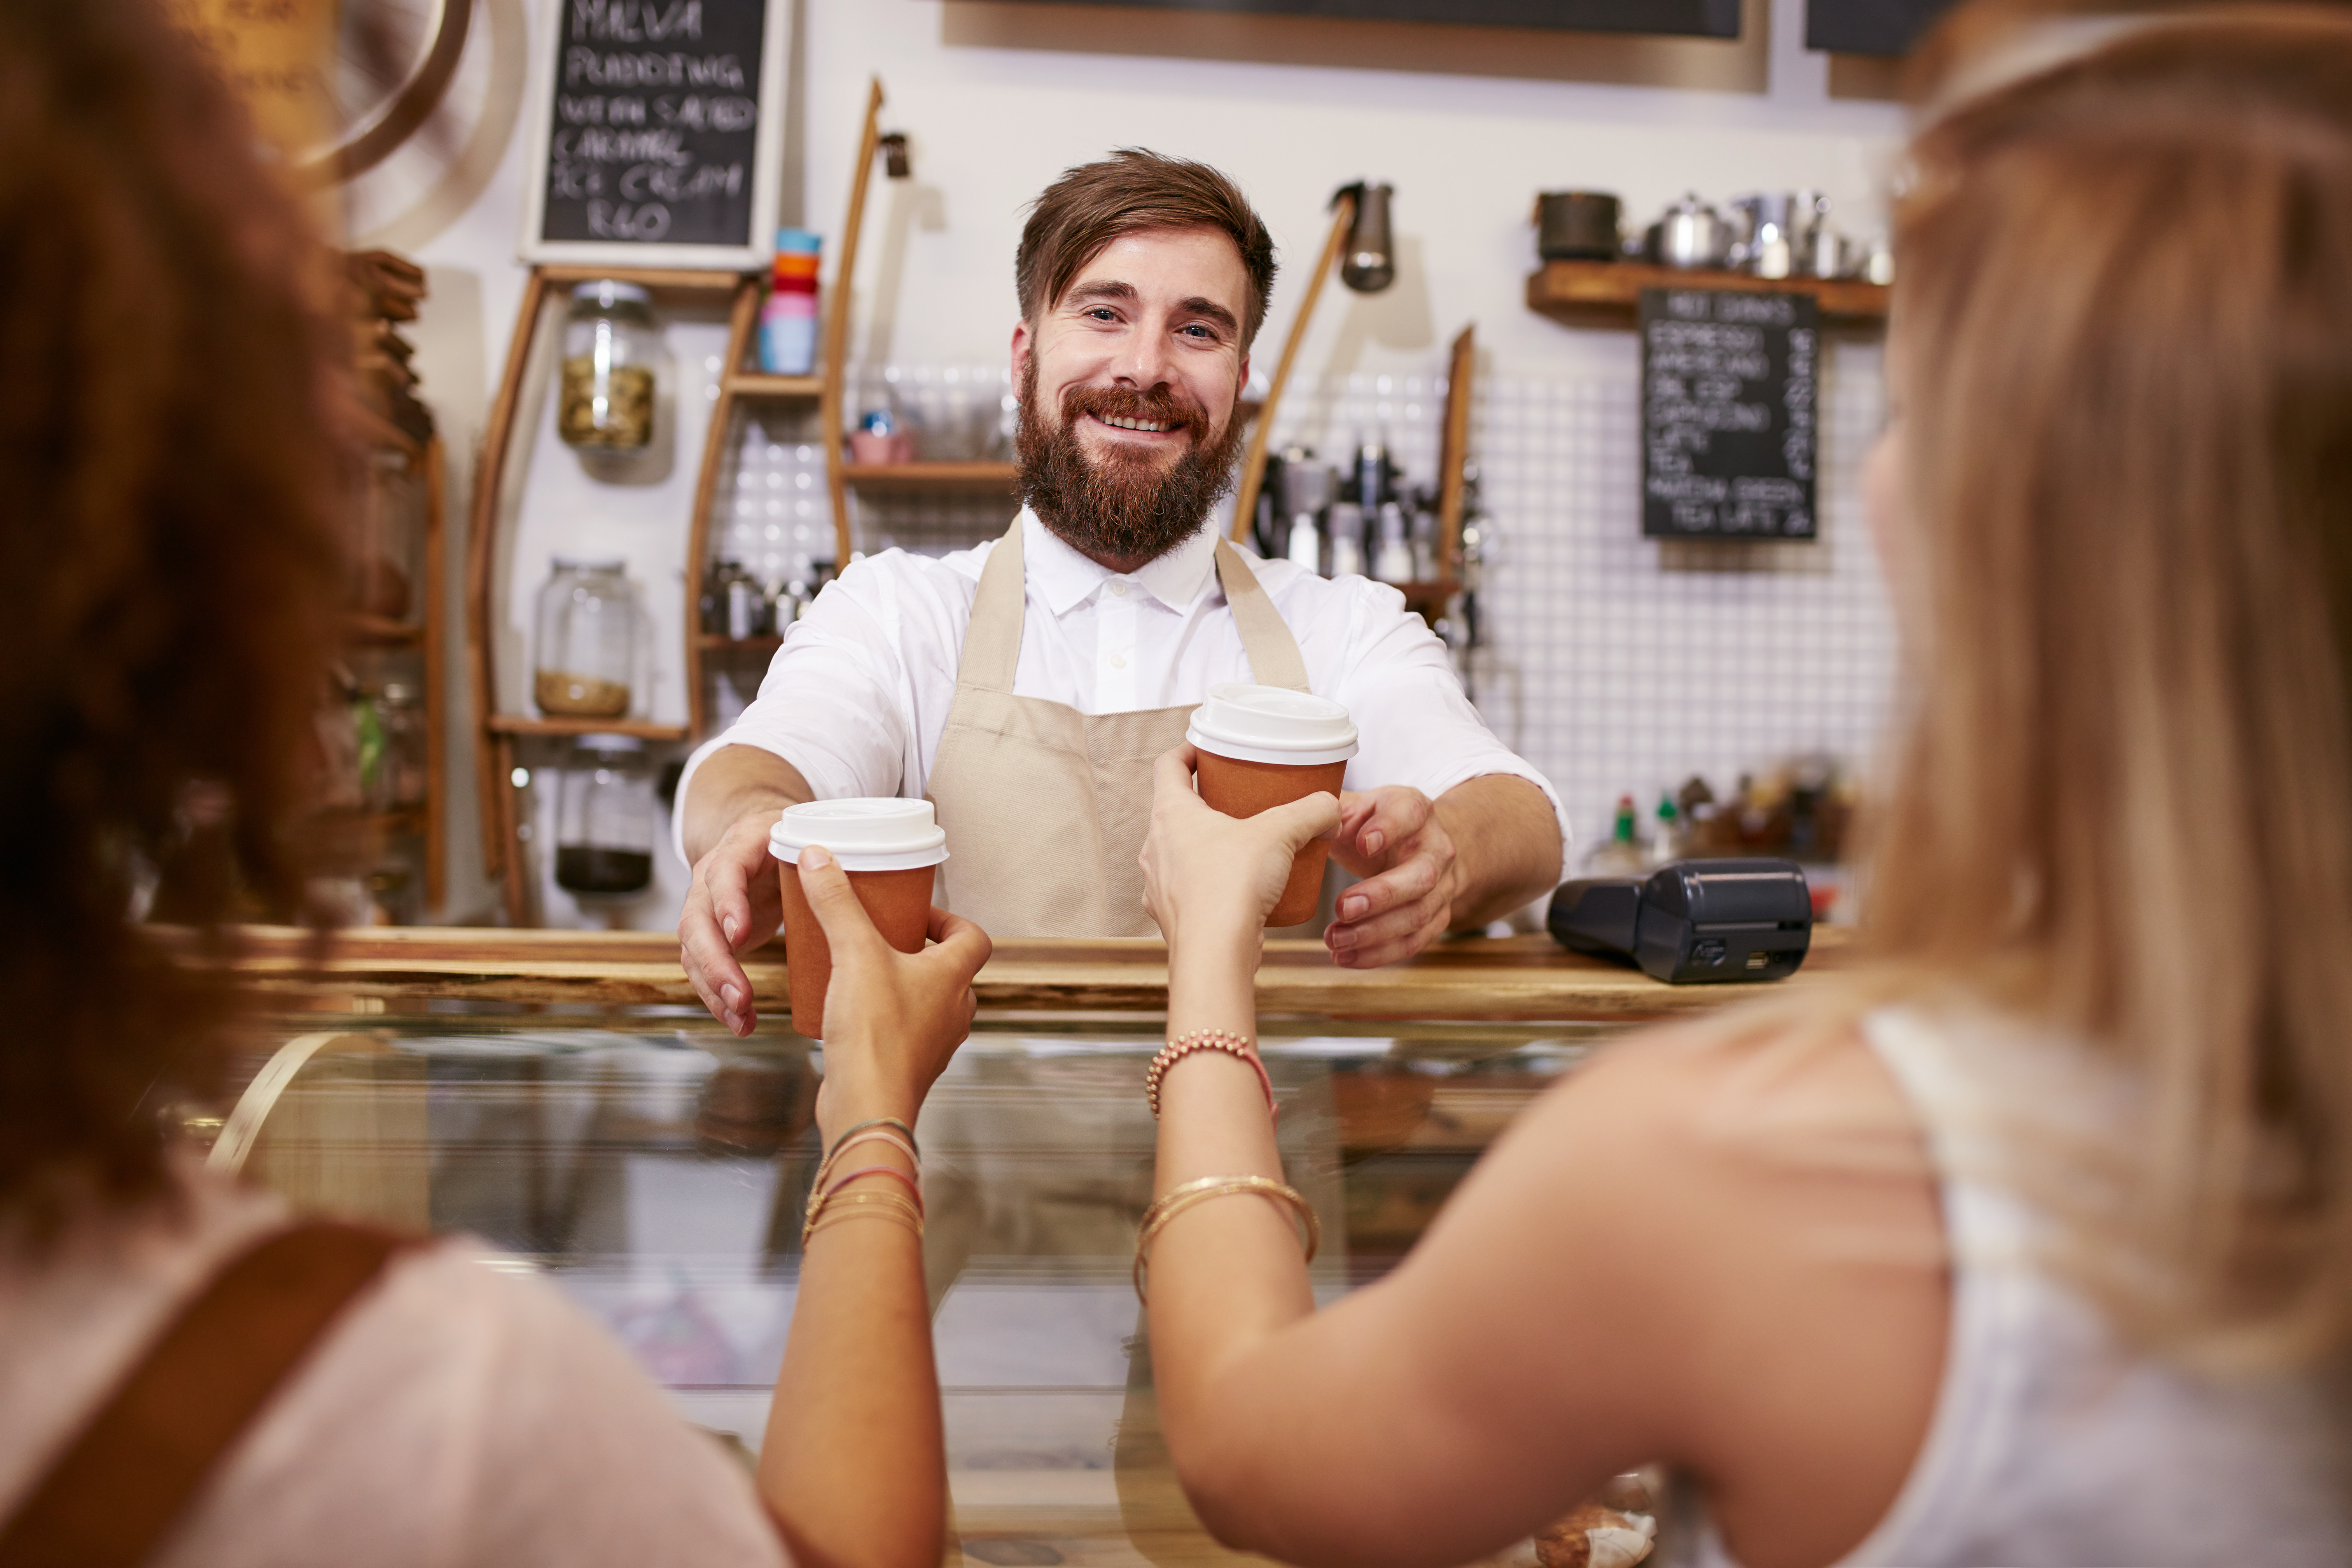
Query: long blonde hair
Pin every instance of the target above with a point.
(2121, 799)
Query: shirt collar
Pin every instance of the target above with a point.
(1064, 578)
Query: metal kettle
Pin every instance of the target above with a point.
(1690, 233)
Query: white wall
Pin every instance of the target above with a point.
(1466, 145)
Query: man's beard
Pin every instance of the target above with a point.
(1124, 507)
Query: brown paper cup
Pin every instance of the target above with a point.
(1244, 789)
(899, 904)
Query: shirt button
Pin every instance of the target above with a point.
(1119, 590)
(1118, 661)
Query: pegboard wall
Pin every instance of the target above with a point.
(1614, 663)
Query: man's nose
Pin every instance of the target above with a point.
(1144, 362)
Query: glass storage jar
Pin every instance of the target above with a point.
(609, 348)
(605, 818)
(399, 781)
(587, 641)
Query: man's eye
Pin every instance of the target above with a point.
(1199, 330)
(1103, 313)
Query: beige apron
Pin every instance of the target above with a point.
(1044, 806)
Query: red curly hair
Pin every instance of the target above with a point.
(168, 565)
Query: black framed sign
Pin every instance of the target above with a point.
(1698, 18)
(1870, 27)
(657, 133)
(1729, 394)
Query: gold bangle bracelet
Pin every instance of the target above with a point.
(852, 1203)
(901, 1215)
(1176, 1200)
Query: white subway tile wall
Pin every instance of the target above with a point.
(1617, 665)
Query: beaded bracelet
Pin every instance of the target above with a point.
(1183, 1045)
(1176, 1200)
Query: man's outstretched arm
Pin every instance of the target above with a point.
(1483, 848)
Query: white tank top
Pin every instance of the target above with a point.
(2051, 1443)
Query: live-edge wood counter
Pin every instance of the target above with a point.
(1527, 977)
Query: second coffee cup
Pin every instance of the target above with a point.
(1264, 746)
(890, 849)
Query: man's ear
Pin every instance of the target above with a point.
(1022, 345)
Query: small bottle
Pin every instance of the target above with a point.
(1347, 530)
(1667, 843)
(1393, 563)
(1306, 542)
(1620, 855)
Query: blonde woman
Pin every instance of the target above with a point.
(2035, 1245)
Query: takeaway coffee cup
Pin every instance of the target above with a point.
(890, 849)
(1264, 746)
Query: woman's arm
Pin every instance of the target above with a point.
(1635, 1273)
(853, 1466)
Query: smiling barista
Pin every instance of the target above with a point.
(1027, 685)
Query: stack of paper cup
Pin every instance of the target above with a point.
(891, 851)
(1264, 746)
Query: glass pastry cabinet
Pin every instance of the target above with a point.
(563, 1097)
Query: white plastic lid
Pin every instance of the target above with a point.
(864, 835)
(1272, 724)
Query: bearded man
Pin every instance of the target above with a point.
(1026, 686)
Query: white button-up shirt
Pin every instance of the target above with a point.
(858, 695)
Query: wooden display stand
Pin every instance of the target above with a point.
(500, 733)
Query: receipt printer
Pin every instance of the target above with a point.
(1692, 922)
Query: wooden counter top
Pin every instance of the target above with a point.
(1525, 977)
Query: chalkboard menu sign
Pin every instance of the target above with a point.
(1728, 406)
(656, 132)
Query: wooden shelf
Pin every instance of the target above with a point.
(529, 724)
(758, 384)
(670, 279)
(376, 631)
(1002, 477)
(1423, 597)
(720, 642)
(1608, 293)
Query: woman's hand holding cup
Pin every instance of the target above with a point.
(892, 1019)
(1210, 877)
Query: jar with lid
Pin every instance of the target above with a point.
(398, 780)
(587, 641)
(604, 818)
(611, 346)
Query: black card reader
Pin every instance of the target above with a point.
(1693, 922)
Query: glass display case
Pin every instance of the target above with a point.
(655, 1168)
(560, 1096)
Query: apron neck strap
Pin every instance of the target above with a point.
(1273, 652)
(992, 640)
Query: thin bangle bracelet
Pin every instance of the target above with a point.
(893, 1172)
(851, 1140)
(847, 1203)
(1176, 1200)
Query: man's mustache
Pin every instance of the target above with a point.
(1159, 405)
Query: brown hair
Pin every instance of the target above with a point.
(168, 567)
(1131, 191)
(2123, 800)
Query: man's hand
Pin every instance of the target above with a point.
(733, 905)
(1394, 840)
